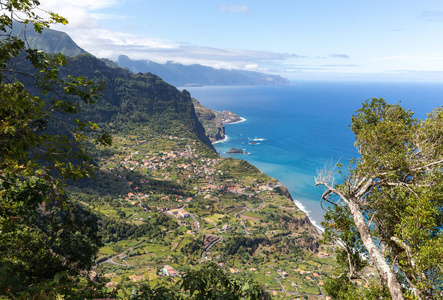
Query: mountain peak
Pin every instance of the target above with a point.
(49, 41)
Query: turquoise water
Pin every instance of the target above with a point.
(301, 128)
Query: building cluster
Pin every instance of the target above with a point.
(169, 271)
(180, 213)
(165, 161)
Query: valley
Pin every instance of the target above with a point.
(200, 207)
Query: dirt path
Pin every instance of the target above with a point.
(244, 226)
(197, 223)
(219, 231)
(247, 210)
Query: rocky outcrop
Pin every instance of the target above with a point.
(228, 117)
(214, 121)
(234, 150)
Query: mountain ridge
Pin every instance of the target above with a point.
(165, 200)
(131, 101)
(199, 75)
(54, 41)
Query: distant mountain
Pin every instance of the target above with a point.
(49, 41)
(53, 41)
(162, 198)
(198, 75)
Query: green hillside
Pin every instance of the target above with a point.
(183, 208)
(49, 41)
(164, 198)
(139, 104)
(161, 200)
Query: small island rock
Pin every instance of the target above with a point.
(234, 150)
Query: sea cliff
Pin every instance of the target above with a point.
(213, 121)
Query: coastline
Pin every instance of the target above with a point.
(225, 139)
(236, 122)
(296, 202)
(303, 209)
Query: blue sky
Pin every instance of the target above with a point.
(317, 39)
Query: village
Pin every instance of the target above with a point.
(181, 166)
(213, 200)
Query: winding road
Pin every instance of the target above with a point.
(219, 239)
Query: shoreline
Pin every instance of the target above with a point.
(225, 139)
(236, 122)
(296, 202)
(303, 209)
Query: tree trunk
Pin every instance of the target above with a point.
(386, 274)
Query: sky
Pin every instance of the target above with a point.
(297, 39)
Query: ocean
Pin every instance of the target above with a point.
(297, 130)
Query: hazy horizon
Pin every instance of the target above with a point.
(316, 40)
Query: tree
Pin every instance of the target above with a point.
(209, 282)
(393, 193)
(45, 238)
(350, 257)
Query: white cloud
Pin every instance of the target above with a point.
(112, 44)
(337, 55)
(77, 14)
(234, 8)
(251, 67)
(84, 28)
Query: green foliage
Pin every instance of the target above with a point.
(212, 282)
(114, 230)
(208, 282)
(392, 196)
(384, 134)
(194, 247)
(340, 229)
(44, 237)
(344, 289)
(233, 245)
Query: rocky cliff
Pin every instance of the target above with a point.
(214, 121)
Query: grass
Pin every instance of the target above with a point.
(308, 288)
(223, 210)
(268, 281)
(254, 215)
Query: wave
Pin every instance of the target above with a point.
(241, 120)
(256, 139)
(221, 141)
(304, 209)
